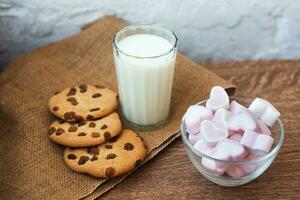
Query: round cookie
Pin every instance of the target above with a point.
(85, 102)
(85, 133)
(119, 156)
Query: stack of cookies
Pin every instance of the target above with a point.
(92, 132)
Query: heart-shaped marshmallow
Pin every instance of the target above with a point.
(221, 118)
(235, 107)
(229, 150)
(235, 171)
(194, 116)
(211, 133)
(213, 166)
(265, 111)
(236, 137)
(249, 168)
(256, 141)
(193, 138)
(204, 148)
(262, 128)
(218, 98)
(242, 121)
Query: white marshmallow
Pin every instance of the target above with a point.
(265, 111)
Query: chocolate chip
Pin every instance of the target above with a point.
(138, 163)
(94, 158)
(111, 156)
(81, 123)
(72, 128)
(110, 172)
(69, 115)
(108, 146)
(59, 131)
(72, 100)
(94, 109)
(79, 118)
(96, 95)
(82, 160)
(113, 140)
(71, 92)
(128, 147)
(72, 156)
(95, 135)
(90, 117)
(93, 150)
(107, 136)
(51, 131)
(55, 93)
(92, 125)
(83, 88)
(55, 108)
(82, 134)
(99, 86)
(103, 127)
(117, 96)
(60, 121)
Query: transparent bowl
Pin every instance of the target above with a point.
(259, 164)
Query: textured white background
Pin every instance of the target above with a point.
(207, 29)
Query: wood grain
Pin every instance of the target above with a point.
(171, 175)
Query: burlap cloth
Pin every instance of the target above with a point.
(31, 165)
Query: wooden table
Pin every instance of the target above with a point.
(171, 175)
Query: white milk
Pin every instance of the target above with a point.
(145, 84)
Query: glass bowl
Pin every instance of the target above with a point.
(255, 167)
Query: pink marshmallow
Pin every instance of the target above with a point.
(235, 171)
(229, 150)
(235, 107)
(193, 138)
(249, 168)
(194, 116)
(211, 133)
(236, 137)
(257, 142)
(262, 128)
(218, 99)
(221, 118)
(202, 147)
(213, 166)
(242, 121)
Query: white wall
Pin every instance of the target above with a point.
(207, 29)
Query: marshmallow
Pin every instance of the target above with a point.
(213, 166)
(265, 111)
(211, 133)
(229, 150)
(218, 99)
(221, 118)
(256, 141)
(202, 147)
(262, 128)
(193, 138)
(242, 121)
(235, 107)
(235, 171)
(236, 137)
(249, 168)
(194, 116)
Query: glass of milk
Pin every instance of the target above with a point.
(145, 60)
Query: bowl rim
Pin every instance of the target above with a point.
(255, 160)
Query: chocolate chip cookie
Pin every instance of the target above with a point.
(85, 102)
(119, 156)
(85, 133)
